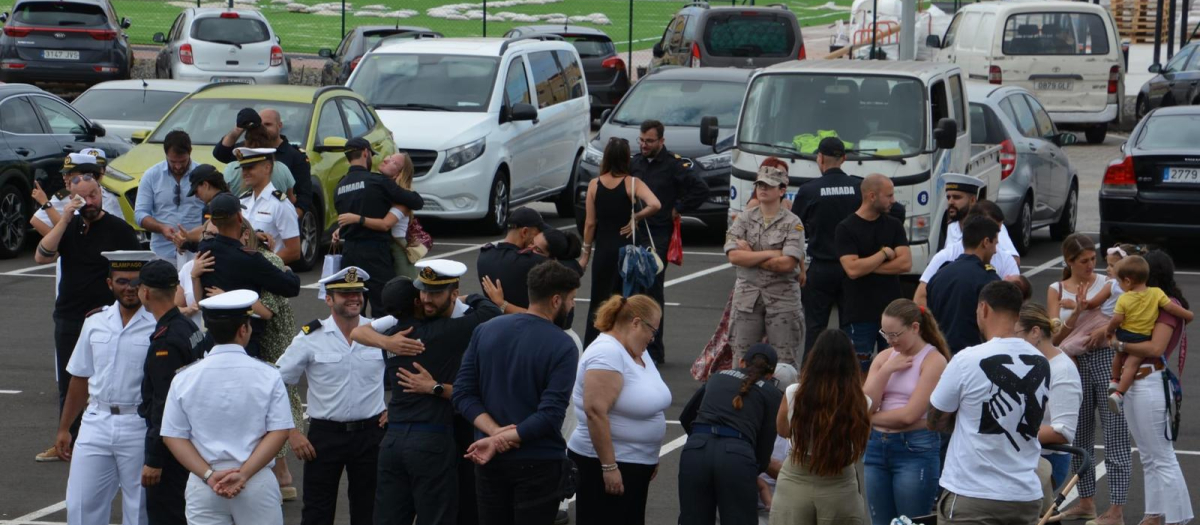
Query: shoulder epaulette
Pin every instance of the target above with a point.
(311, 327)
(96, 311)
(279, 195)
(799, 227)
(246, 193)
(989, 268)
(161, 332)
(62, 194)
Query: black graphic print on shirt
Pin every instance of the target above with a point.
(1016, 407)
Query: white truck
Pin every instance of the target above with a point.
(906, 120)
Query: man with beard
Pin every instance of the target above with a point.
(270, 125)
(79, 242)
(514, 384)
(962, 191)
(163, 206)
(873, 250)
(106, 380)
(345, 403)
(416, 468)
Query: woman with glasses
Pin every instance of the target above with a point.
(1066, 389)
(619, 400)
(611, 219)
(903, 464)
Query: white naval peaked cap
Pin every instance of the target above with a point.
(229, 305)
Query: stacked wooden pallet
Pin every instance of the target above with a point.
(1135, 19)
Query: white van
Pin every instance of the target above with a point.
(1067, 53)
(489, 123)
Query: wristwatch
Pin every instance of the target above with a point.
(46, 206)
(207, 474)
(438, 389)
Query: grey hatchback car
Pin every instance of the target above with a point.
(64, 42)
(1039, 185)
(729, 36)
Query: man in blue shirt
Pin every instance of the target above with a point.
(165, 204)
(516, 378)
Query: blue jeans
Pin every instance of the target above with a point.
(902, 473)
(866, 340)
(1061, 463)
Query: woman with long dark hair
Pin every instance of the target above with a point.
(1167, 498)
(608, 226)
(730, 423)
(826, 417)
(903, 462)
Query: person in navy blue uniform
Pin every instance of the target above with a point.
(236, 268)
(176, 343)
(671, 179)
(370, 196)
(954, 290)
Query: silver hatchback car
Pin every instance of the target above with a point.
(1040, 187)
(221, 45)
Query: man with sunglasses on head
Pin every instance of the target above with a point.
(163, 206)
(79, 240)
(50, 209)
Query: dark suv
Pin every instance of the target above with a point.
(74, 43)
(729, 36)
(603, 69)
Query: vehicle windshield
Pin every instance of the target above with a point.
(1055, 34)
(207, 120)
(426, 81)
(127, 104)
(1169, 132)
(736, 35)
(230, 30)
(591, 46)
(59, 14)
(682, 102)
(370, 38)
(791, 113)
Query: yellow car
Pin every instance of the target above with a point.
(317, 120)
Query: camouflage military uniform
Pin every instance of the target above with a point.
(766, 302)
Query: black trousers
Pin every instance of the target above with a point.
(822, 290)
(357, 453)
(662, 241)
(468, 503)
(376, 258)
(594, 506)
(716, 474)
(517, 492)
(66, 334)
(417, 478)
(164, 502)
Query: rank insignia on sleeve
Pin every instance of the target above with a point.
(311, 327)
(161, 353)
(799, 227)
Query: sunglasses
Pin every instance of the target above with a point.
(80, 178)
(177, 198)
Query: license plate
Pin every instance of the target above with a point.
(233, 80)
(1054, 86)
(60, 55)
(1181, 175)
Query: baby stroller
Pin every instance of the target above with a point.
(1086, 465)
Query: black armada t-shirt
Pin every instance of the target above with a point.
(84, 285)
(867, 296)
(372, 196)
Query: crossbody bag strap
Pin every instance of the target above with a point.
(632, 208)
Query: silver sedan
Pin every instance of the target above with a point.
(1040, 188)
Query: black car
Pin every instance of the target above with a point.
(37, 130)
(679, 98)
(1152, 192)
(358, 41)
(1175, 84)
(604, 70)
(69, 43)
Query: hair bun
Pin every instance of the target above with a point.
(1056, 325)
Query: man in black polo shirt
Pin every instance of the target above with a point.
(369, 195)
(79, 241)
(821, 205)
(955, 288)
(873, 250)
(679, 189)
(296, 161)
(510, 260)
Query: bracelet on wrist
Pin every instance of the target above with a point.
(608, 468)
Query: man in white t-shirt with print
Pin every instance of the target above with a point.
(992, 397)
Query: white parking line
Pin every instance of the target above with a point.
(25, 272)
(1052, 263)
(37, 514)
(10, 392)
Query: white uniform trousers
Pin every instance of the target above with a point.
(259, 503)
(108, 455)
(1146, 412)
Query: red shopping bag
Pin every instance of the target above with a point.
(675, 251)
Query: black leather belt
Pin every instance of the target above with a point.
(345, 426)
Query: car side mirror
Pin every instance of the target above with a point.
(708, 131)
(658, 49)
(160, 38)
(125, 23)
(521, 112)
(96, 129)
(3, 17)
(278, 40)
(139, 136)
(325, 52)
(1065, 139)
(1155, 68)
(604, 115)
(945, 133)
(933, 41)
(331, 144)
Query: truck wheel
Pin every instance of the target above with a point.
(14, 222)
(1066, 221)
(1096, 134)
(496, 220)
(1022, 237)
(310, 242)
(565, 203)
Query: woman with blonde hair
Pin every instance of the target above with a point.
(619, 399)
(406, 248)
(1066, 389)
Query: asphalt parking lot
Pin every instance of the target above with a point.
(32, 493)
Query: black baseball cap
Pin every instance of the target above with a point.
(359, 143)
(832, 147)
(764, 350)
(204, 173)
(526, 218)
(224, 206)
(157, 274)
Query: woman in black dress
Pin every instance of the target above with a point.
(608, 227)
